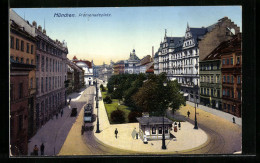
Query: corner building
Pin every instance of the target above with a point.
(51, 72)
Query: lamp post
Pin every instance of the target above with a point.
(163, 134)
(196, 124)
(97, 131)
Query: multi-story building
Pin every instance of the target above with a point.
(19, 106)
(77, 75)
(70, 79)
(22, 50)
(210, 79)
(118, 67)
(130, 64)
(88, 69)
(179, 56)
(105, 71)
(51, 72)
(231, 60)
(144, 64)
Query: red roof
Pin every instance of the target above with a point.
(74, 58)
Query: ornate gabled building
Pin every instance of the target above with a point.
(179, 56)
(131, 63)
(118, 67)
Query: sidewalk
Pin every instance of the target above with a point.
(186, 138)
(54, 132)
(218, 113)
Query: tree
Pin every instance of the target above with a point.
(155, 98)
(118, 116)
(107, 100)
(132, 116)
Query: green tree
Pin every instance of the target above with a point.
(155, 98)
(118, 116)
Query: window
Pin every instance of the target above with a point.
(207, 91)
(238, 94)
(17, 44)
(208, 79)
(160, 130)
(46, 84)
(42, 64)
(231, 61)
(53, 65)
(42, 85)
(232, 93)
(166, 129)
(27, 61)
(31, 49)
(228, 107)
(224, 92)
(228, 79)
(212, 79)
(37, 62)
(227, 61)
(21, 60)
(233, 108)
(31, 83)
(224, 79)
(201, 90)
(28, 46)
(218, 93)
(32, 62)
(47, 64)
(153, 130)
(20, 122)
(238, 60)
(20, 90)
(217, 66)
(238, 80)
(223, 61)
(53, 82)
(232, 79)
(211, 66)
(22, 45)
(228, 93)
(211, 92)
(12, 42)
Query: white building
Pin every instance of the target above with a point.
(88, 69)
(131, 63)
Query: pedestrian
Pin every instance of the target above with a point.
(57, 115)
(179, 125)
(234, 120)
(42, 149)
(116, 132)
(188, 113)
(61, 112)
(35, 150)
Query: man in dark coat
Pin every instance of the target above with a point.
(42, 149)
(188, 113)
(116, 132)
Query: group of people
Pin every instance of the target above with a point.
(36, 150)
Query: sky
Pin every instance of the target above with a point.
(121, 29)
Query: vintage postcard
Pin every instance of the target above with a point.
(125, 81)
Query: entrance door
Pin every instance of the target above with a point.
(89, 83)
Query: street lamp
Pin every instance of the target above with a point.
(163, 136)
(97, 131)
(196, 124)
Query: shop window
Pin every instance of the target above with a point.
(154, 130)
(160, 130)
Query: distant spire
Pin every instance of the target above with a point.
(188, 27)
(165, 32)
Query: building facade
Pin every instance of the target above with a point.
(210, 79)
(19, 106)
(22, 50)
(51, 72)
(179, 56)
(119, 67)
(231, 60)
(131, 64)
(88, 70)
